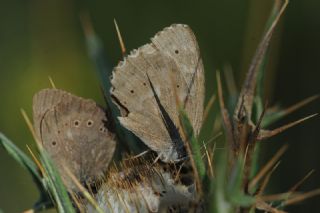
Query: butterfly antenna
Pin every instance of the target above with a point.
(122, 46)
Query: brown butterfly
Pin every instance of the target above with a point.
(147, 84)
(74, 132)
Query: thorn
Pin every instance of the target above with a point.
(258, 126)
(264, 134)
(208, 107)
(28, 211)
(299, 105)
(267, 167)
(211, 173)
(77, 201)
(83, 190)
(267, 179)
(302, 197)
(230, 81)
(297, 185)
(37, 162)
(262, 205)
(137, 156)
(224, 112)
(178, 172)
(274, 197)
(248, 88)
(31, 128)
(213, 138)
(52, 83)
(122, 46)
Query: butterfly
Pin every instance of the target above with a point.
(74, 132)
(152, 82)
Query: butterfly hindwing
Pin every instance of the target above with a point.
(73, 132)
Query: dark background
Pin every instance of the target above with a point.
(44, 38)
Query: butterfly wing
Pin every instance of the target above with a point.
(147, 83)
(73, 131)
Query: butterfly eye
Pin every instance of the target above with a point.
(144, 84)
(176, 51)
(132, 91)
(76, 123)
(54, 143)
(178, 85)
(89, 123)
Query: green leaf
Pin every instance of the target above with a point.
(19, 156)
(217, 196)
(235, 186)
(55, 185)
(44, 201)
(195, 147)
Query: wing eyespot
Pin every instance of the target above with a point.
(132, 91)
(176, 52)
(89, 123)
(76, 123)
(54, 143)
(102, 129)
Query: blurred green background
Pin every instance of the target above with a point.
(44, 38)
